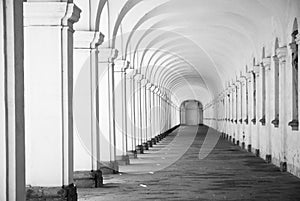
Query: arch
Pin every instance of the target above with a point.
(191, 112)
(99, 13)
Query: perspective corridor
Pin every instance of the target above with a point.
(88, 89)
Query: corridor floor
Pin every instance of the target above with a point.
(227, 173)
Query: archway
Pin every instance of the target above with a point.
(191, 112)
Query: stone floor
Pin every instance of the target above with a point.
(227, 173)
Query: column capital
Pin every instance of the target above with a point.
(138, 77)
(249, 75)
(50, 14)
(144, 81)
(107, 55)
(256, 69)
(297, 39)
(266, 62)
(121, 65)
(281, 53)
(275, 58)
(130, 73)
(243, 78)
(87, 39)
(152, 88)
(233, 87)
(159, 93)
(148, 86)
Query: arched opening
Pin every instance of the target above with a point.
(191, 112)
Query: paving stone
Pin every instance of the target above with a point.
(227, 173)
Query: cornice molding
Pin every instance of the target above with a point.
(50, 14)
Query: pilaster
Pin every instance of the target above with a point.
(275, 90)
(85, 104)
(49, 89)
(106, 96)
(130, 72)
(138, 122)
(144, 111)
(282, 54)
(12, 130)
(121, 111)
(149, 112)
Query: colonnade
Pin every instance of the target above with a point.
(80, 109)
(258, 109)
(76, 101)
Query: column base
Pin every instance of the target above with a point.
(257, 152)
(65, 193)
(243, 145)
(161, 136)
(88, 179)
(233, 140)
(132, 154)
(268, 158)
(149, 143)
(123, 160)
(294, 124)
(238, 143)
(145, 146)
(109, 167)
(283, 167)
(140, 149)
(153, 140)
(157, 139)
(230, 138)
(249, 148)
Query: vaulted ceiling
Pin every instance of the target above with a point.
(192, 47)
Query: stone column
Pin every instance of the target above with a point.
(293, 85)
(244, 109)
(239, 111)
(156, 112)
(130, 113)
(266, 63)
(262, 94)
(231, 112)
(48, 35)
(162, 119)
(251, 108)
(137, 113)
(226, 112)
(12, 130)
(257, 110)
(152, 114)
(159, 114)
(242, 101)
(86, 142)
(275, 92)
(107, 134)
(143, 114)
(148, 113)
(282, 54)
(298, 98)
(234, 106)
(121, 111)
